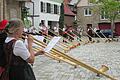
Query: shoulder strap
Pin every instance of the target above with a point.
(11, 43)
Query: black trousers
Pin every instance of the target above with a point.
(90, 39)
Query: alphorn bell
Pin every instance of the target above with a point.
(103, 69)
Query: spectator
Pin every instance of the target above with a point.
(44, 29)
(3, 36)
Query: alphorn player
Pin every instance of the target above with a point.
(89, 32)
(17, 54)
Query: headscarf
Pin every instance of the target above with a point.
(3, 24)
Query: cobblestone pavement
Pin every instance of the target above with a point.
(95, 54)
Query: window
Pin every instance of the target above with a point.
(52, 8)
(103, 16)
(55, 9)
(48, 8)
(58, 9)
(87, 12)
(43, 7)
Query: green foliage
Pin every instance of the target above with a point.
(108, 8)
(27, 23)
(111, 8)
(25, 12)
(92, 1)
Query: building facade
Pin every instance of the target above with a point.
(69, 16)
(1, 10)
(11, 8)
(70, 12)
(47, 11)
(86, 16)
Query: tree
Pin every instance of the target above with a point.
(61, 19)
(110, 9)
(24, 15)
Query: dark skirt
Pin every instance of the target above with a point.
(21, 73)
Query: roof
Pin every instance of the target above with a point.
(59, 1)
(82, 3)
(73, 2)
(67, 10)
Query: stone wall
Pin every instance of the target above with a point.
(13, 9)
(84, 20)
(69, 20)
(1, 10)
(10, 9)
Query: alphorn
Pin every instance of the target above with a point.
(70, 35)
(84, 42)
(105, 37)
(56, 57)
(59, 45)
(66, 49)
(93, 40)
(97, 34)
(73, 60)
(70, 43)
(49, 36)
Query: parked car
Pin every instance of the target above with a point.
(102, 33)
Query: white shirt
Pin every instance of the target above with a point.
(55, 29)
(63, 29)
(95, 29)
(19, 48)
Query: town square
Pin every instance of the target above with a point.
(59, 39)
